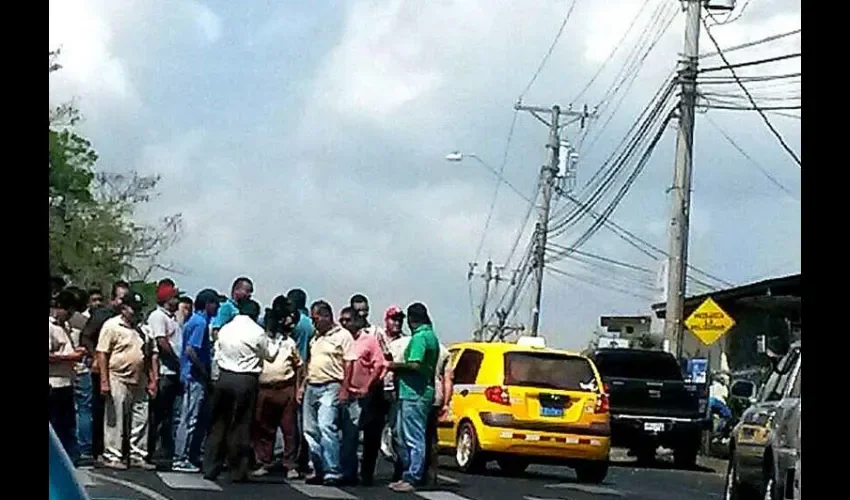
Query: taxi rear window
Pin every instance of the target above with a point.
(549, 371)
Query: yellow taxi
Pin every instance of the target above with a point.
(522, 403)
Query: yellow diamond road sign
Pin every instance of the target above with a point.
(709, 322)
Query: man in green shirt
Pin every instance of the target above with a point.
(415, 395)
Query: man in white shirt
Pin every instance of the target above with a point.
(62, 360)
(168, 335)
(241, 348)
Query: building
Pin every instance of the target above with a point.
(771, 308)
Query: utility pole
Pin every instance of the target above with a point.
(680, 217)
(547, 183)
(482, 314)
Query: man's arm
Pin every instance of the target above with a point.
(103, 362)
(159, 329)
(448, 387)
(414, 357)
(344, 390)
(153, 375)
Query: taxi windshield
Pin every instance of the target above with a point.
(549, 370)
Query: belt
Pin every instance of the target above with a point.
(246, 374)
(279, 384)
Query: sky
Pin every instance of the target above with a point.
(304, 143)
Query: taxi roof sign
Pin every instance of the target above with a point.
(709, 322)
(533, 342)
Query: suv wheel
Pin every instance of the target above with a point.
(592, 471)
(467, 453)
(733, 489)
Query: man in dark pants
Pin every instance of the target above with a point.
(63, 357)
(242, 347)
(164, 409)
(443, 388)
(88, 339)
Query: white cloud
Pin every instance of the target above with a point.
(91, 70)
(207, 21)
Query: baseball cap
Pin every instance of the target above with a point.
(166, 291)
(208, 295)
(134, 300)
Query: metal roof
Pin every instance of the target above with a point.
(780, 289)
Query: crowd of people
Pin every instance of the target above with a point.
(206, 385)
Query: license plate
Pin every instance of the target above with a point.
(653, 427)
(548, 411)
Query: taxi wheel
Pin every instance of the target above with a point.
(467, 453)
(593, 472)
(513, 466)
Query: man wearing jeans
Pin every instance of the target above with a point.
(416, 377)
(364, 367)
(195, 364)
(328, 348)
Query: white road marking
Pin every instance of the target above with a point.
(447, 479)
(84, 478)
(320, 491)
(586, 488)
(182, 481)
(128, 484)
(440, 495)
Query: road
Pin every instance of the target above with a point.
(625, 480)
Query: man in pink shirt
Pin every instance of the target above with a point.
(365, 367)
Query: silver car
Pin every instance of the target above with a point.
(763, 447)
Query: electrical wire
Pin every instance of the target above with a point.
(613, 51)
(549, 52)
(752, 101)
(757, 62)
(753, 43)
(500, 179)
(604, 286)
(756, 164)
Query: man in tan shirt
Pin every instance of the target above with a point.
(276, 406)
(130, 376)
(329, 347)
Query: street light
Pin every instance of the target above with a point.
(457, 157)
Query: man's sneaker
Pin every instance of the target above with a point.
(402, 487)
(260, 472)
(293, 474)
(185, 467)
(139, 463)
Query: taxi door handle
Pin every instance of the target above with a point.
(464, 392)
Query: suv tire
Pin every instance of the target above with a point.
(592, 471)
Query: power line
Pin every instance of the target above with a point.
(750, 97)
(589, 281)
(499, 180)
(754, 43)
(613, 51)
(549, 52)
(756, 164)
(757, 62)
(761, 110)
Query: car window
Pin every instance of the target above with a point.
(796, 390)
(466, 370)
(779, 380)
(648, 365)
(549, 370)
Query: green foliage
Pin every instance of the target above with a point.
(94, 238)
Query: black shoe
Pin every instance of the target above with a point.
(314, 479)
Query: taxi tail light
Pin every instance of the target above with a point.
(603, 402)
(498, 395)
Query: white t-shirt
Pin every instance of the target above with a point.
(242, 346)
(59, 342)
(396, 347)
(163, 324)
(718, 391)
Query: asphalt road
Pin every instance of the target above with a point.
(625, 480)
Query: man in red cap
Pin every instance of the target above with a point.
(165, 408)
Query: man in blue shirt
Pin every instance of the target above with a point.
(242, 289)
(301, 334)
(195, 365)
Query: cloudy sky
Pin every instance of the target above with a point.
(304, 142)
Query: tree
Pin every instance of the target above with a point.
(94, 237)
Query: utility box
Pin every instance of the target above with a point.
(720, 5)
